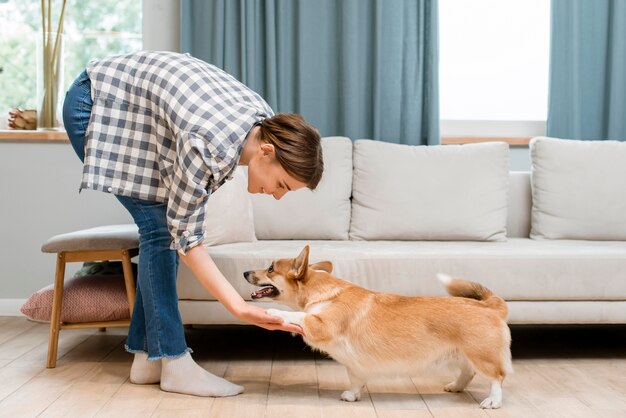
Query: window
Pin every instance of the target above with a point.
(494, 64)
(92, 29)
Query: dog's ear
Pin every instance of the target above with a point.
(326, 266)
(301, 263)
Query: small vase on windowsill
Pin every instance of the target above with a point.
(50, 81)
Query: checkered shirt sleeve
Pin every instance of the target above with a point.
(194, 172)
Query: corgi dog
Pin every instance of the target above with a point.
(376, 334)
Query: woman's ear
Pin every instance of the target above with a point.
(267, 149)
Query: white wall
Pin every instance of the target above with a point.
(39, 199)
(39, 189)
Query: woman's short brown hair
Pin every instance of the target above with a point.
(298, 146)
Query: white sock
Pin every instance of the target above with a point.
(145, 372)
(183, 375)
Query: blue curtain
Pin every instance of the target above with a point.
(359, 68)
(587, 95)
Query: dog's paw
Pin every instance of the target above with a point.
(453, 387)
(491, 403)
(281, 314)
(350, 396)
(274, 312)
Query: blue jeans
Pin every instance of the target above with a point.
(156, 327)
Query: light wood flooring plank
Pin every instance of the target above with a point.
(142, 400)
(13, 378)
(19, 371)
(293, 390)
(550, 396)
(36, 395)
(397, 397)
(440, 403)
(22, 342)
(333, 380)
(13, 326)
(37, 357)
(559, 372)
(249, 365)
(588, 382)
(87, 395)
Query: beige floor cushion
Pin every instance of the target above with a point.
(85, 299)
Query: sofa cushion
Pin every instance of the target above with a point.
(578, 189)
(229, 215)
(446, 192)
(304, 214)
(516, 269)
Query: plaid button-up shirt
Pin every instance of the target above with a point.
(167, 127)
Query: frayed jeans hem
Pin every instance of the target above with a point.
(157, 357)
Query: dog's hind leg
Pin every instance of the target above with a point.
(356, 387)
(495, 371)
(466, 376)
(494, 400)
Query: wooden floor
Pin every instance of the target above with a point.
(559, 372)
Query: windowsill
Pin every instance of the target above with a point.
(39, 136)
(20, 135)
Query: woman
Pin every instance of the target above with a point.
(162, 131)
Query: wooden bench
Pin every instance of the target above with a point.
(105, 243)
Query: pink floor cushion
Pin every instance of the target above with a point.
(85, 299)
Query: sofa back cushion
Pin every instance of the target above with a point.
(520, 203)
(445, 192)
(229, 212)
(579, 189)
(304, 214)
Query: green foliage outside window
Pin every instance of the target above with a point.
(92, 29)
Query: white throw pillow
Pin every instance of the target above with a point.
(229, 212)
(442, 192)
(579, 189)
(304, 214)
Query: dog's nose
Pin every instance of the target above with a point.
(249, 276)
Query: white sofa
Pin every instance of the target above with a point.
(552, 241)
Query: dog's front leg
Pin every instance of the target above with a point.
(296, 318)
(357, 384)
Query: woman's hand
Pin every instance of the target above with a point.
(200, 262)
(259, 317)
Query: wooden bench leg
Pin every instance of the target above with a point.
(55, 317)
(129, 280)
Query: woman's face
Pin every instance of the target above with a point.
(267, 176)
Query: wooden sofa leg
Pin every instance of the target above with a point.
(55, 317)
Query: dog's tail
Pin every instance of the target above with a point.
(466, 289)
